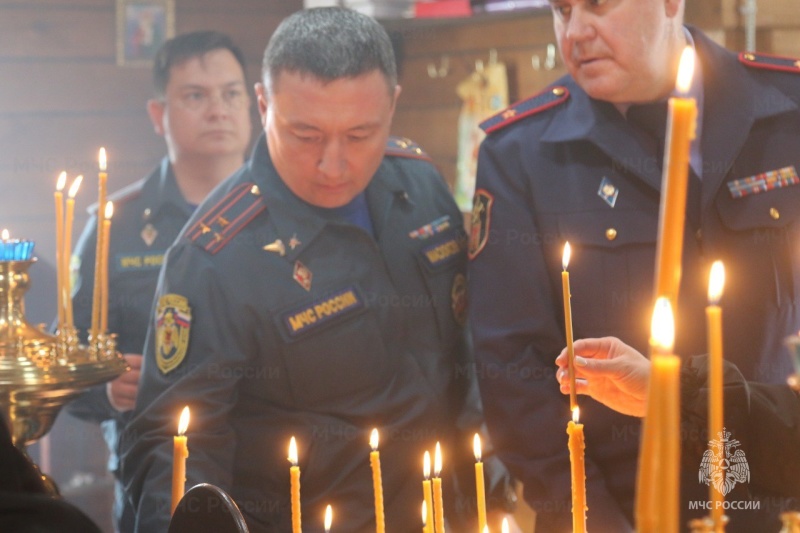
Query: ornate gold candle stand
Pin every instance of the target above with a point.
(39, 372)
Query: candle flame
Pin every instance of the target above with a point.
(109, 211)
(565, 257)
(426, 465)
(373, 439)
(424, 513)
(504, 528)
(183, 423)
(293, 452)
(4, 235)
(437, 460)
(576, 414)
(62, 181)
(328, 518)
(662, 327)
(716, 282)
(485, 529)
(685, 70)
(101, 160)
(76, 184)
(476, 447)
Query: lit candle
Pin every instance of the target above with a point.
(328, 518)
(504, 527)
(681, 128)
(480, 485)
(59, 199)
(109, 212)
(294, 473)
(438, 500)
(573, 400)
(180, 451)
(4, 245)
(715, 398)
(102, 177)
(577, 448)
(424, 516)
(485, 529)
(66, 253)
(426, 489)
(657, 506)
(377, 485)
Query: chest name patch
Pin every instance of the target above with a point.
(322, 311)
(146, 261)
(444, 252)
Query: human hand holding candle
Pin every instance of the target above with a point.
(294, 474)
(377, 485)
(681, 128)
(108, 213)
(438, 499)
(66, 253)
(59, 199)
(426, 490)
(180, 451)
(715, 400)
(573, 399)
(480, 484)
(577, 448)
(328, 518)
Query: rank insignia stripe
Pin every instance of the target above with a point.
(229, 216)
(763, 182)
(770, 62)
(608, 192)
(173, 321)
(323, 311)
(537, 103)
(481, 221)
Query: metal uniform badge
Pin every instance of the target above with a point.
(276, 247)
(608, 192)
(149, 234)
(294, 242)
(302, 275)
(173, 322)
(480, 222)
(458, 299)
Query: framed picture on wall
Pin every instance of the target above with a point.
(142, 26)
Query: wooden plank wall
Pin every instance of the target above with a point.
(62, 96)
(429, 107)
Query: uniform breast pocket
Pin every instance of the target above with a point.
(443, 266)
(764, 228)
(611, 269)
(333, 349)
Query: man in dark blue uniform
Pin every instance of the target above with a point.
(201, 109)
(581, 162)
(319, 293)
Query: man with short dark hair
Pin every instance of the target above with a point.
(319, 293)
(581, 162)
(201, 108)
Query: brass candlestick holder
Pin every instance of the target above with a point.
(39, 372)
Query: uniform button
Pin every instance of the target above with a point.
(559, 91)
(611, 234)
(774, 213)
(146, 214)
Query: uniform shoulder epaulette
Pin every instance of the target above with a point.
(227, 218)
(125, 194)
(525, 108)
(770, 62)
(402, 147)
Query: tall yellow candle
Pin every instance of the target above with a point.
(573, 398)
(577, 447)
(59, 199)
(294, 475)
(66, 253)
(657, 507)
(180, 451)
(480, 483)
(438, 499)
(102, 177)
(681, 129)
(426, 490)
(715, 395)
(424, 516)
(108, 213)
(328, 518)
(377, 485)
